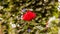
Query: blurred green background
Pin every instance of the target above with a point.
(11, 22)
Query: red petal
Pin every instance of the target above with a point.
(29, 16)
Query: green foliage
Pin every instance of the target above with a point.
(10, 12)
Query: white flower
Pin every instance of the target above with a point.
(58, 0)
(21, 17)
(51, 19)
(31, 9)
(23, 10)
(1, 7)
(13, 25)
(58, 8)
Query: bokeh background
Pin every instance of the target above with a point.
(46, 21)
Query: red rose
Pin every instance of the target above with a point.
(29, 15)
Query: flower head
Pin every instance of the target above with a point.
(58, 0)
(29, 15)
(58, 8)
